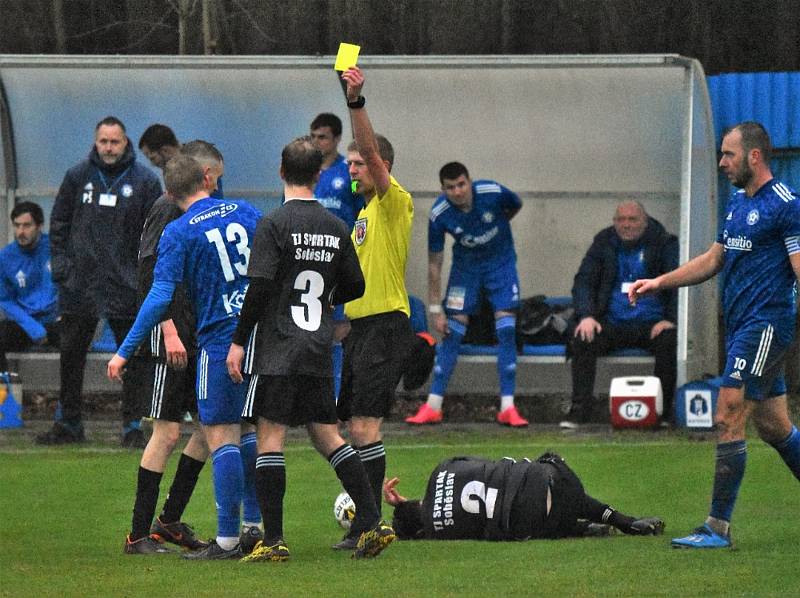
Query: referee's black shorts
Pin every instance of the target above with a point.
(172, 392)
(375, 352)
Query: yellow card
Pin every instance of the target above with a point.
(346, 57)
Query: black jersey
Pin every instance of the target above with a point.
(306, 252)
(468, 498)
(180, 310)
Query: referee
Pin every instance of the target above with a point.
(375, 348)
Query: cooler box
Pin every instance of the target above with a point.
(635, 401)
(696, 404)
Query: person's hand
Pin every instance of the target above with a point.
(660, 327)
(390, 493)
(587, 328)
(116, 368)
(340, 330)
(355, 82)
(234, 362)
(440, 324)
(176, 352)
(643, 286)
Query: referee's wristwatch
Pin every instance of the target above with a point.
(357, 103)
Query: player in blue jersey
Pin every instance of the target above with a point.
(207, 249)
(477, 215)
(28, 298)
(758, 253)
(333, 191)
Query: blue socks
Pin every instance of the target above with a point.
(789, 450)
(505, 328)
(338, 359)
(250, 510)
(446, 356)
(731, 460)
(226, 464)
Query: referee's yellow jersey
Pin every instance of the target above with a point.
(381, 236)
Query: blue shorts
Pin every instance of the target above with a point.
(219, 400)
(338, 313)
(755, 357)
(464, 290)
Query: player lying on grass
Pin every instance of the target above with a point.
(469, 498)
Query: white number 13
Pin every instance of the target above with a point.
(235, 233)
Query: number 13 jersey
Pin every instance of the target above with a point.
(306, 252)
(208, 248)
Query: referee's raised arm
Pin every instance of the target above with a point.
(362, 130)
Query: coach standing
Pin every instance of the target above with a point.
(95, 227)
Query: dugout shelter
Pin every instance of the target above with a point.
(573, 135)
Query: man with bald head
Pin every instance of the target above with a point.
(636, 246)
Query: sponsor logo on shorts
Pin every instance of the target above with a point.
(736, 375)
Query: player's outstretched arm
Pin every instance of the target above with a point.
(695, 271)
(363, 133)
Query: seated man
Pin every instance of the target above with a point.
(468, 498)
(28, 300)
(636, 246)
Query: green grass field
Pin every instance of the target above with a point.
(65, 513)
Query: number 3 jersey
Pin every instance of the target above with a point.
(208, 249)
(475, 499)
(306, 252)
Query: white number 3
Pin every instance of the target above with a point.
(309, 315)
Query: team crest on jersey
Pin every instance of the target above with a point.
(126, 190)
(361, 230)
(21, 280)
(221, 210)
(88, 192)
(487, 217)
(752, 217)
(337, 183)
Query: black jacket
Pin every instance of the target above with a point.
(94, 246)
(594, 282)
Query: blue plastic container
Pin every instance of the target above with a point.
(696, 404)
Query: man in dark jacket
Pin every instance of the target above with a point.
(95, 226)
(636, 244)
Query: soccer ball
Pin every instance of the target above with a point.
(344, 510)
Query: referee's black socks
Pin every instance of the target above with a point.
(373, 456)
(351, 472)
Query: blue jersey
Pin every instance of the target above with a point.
(482, 236)
(27, 292)
(758, 235)
(333, 192)
(208, 249)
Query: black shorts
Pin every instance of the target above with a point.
(171, 392)
(294, 400)
(374, 355)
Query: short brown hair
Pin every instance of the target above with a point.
(301, 162)
(183, 177)
(385, 149)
